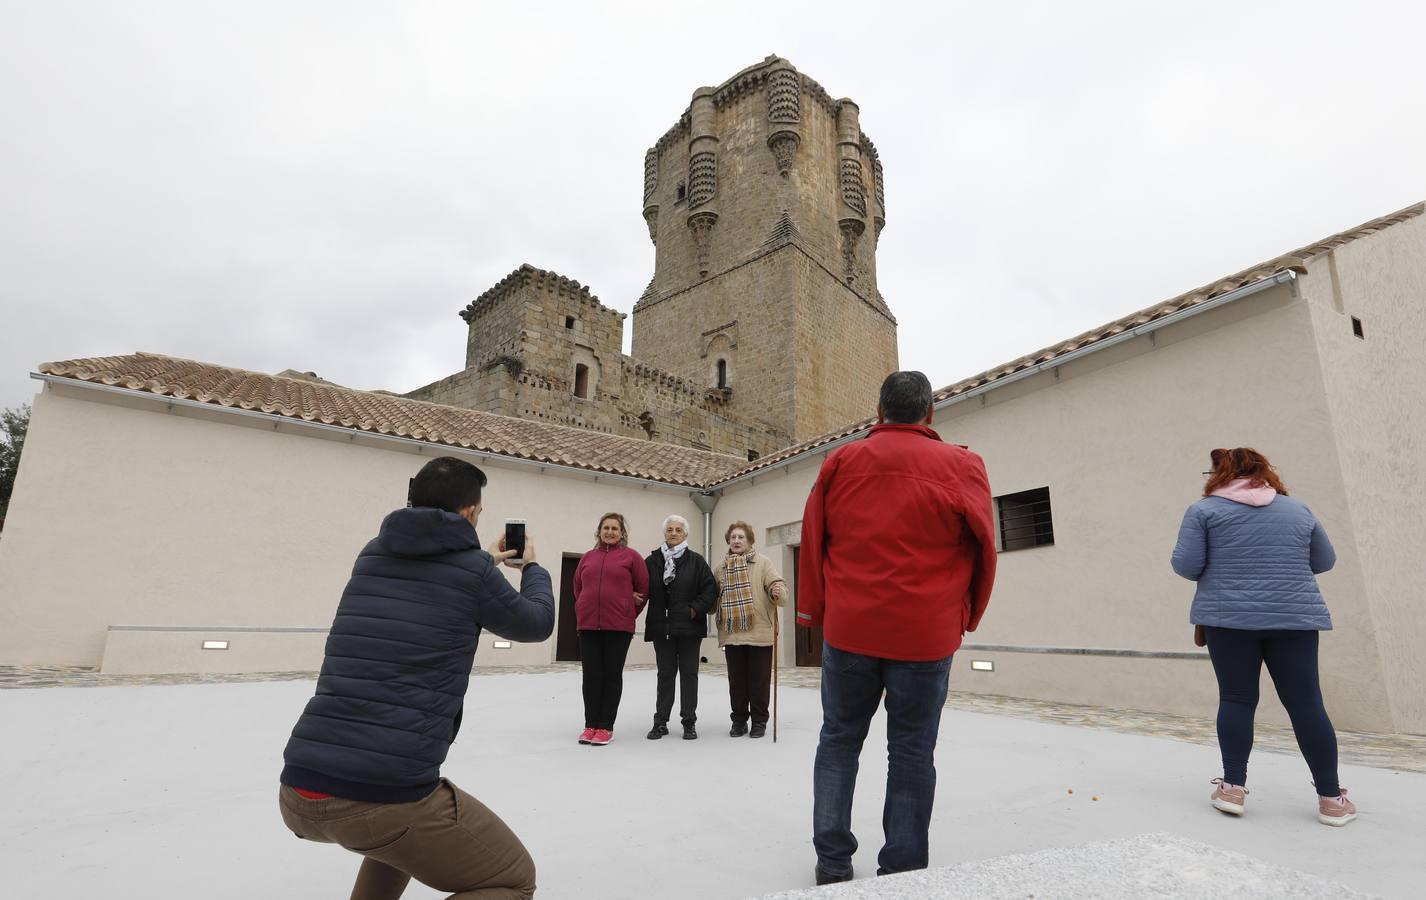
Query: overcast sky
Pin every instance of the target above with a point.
(323, 186)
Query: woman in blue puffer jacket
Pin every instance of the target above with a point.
(1255, 552)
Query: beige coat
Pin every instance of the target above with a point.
(763, 574)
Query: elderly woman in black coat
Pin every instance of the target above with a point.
(682, 592)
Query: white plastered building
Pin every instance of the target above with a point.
(163, 505)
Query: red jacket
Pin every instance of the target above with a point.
(605, 582)
(898, 546)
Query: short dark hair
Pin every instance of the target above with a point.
(905, 397)
(447, 483)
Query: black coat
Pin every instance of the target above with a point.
(399, 654)
(693, 587)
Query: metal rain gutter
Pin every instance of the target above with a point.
(1284, 277)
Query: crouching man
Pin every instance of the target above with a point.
(364, 760)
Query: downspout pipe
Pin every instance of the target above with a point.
(707, 501)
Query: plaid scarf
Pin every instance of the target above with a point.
(737, 603)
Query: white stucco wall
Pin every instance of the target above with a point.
(125, 514)
(1121, 438)
(1376, 392)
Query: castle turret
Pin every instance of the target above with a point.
(765, 203)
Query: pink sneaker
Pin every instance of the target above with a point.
(587, 736)
(601, 737)
(1228, 798)
(1337, 811)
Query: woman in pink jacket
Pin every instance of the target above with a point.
(611, 585)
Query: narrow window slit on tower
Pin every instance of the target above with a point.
(569, 321)
(722, 374)
(581, 381)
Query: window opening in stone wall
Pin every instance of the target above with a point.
(581, 381)
(752, 455)
(646, 422)
(722, 374)
(569, 321)
(1357, 328)
(682, 191)
(1025, 520)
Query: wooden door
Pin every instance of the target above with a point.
(808, 644)
(566, 631)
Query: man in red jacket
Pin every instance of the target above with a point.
(898, 558)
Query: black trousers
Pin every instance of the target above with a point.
(677, 657)
(1291, 657)
(601, 656)
(749, 682)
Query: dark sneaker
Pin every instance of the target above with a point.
(689, 734)
(759, 730)
(824, 877)
(738, 730)
(658, 731)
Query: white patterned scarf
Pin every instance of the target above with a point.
(737, 602)
(670, 555)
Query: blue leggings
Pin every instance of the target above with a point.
(1291, 657)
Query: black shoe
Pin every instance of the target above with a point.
(689, 734)
(759, 730)
(738, 730)
(658, 731)
(829, 878)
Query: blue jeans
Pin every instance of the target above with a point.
(852, 688)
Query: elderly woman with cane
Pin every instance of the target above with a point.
(752, 590)
(682, 592)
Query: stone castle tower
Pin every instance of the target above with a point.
(762, 325)
(765, 202)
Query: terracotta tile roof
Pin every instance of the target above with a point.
(1295, 261)
(391, 415)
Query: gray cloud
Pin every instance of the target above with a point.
(323, 186)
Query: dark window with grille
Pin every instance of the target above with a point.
(1025, 519)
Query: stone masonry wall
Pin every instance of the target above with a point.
(528, 335)
(796, 188)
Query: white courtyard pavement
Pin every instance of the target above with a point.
(167, 792)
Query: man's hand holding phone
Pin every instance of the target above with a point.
(513, 558)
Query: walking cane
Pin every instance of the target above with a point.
(776, 648)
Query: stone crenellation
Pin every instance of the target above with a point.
(762, 324)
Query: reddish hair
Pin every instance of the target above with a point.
(740, 526)
(1242, 462)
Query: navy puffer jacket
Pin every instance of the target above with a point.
(399, 655)
(1256, 566)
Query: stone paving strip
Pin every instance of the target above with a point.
(1402, 752)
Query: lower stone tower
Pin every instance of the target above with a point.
(765, 203)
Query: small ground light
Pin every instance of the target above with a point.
(982, 665)
(501, 645)
(215, 645)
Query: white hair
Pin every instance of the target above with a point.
(679, 519)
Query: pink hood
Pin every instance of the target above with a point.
(1240, 491)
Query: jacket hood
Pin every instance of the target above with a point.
(1242, 491)
(426, 531)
